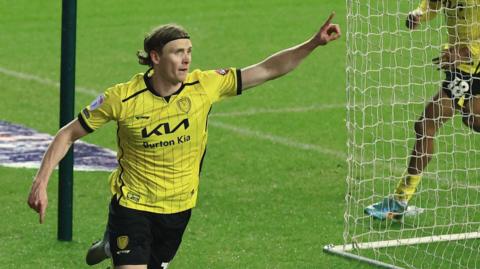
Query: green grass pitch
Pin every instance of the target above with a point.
(273, 183)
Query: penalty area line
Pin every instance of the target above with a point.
(44, 81)
(248, 132)
(249, 112)
(279, 140)
(256, 111)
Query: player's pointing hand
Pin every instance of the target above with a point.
(37, 199)
(328, 32)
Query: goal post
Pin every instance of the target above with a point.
(67, 106)
(390, 78)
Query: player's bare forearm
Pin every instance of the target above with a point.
(276, 65)
(37, 199)
(287, 60)
(55, 152)
(62, 141)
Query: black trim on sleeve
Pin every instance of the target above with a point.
(239, 81)
(84, 124)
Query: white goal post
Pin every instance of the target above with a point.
(390, 78)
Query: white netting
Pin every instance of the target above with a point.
(390, 78)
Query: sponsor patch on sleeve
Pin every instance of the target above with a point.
(222, 71)
(97, 102)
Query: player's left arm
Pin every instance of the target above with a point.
(286, 60)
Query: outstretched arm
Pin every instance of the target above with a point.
(286, 60)
(37, 199)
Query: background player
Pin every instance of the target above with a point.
(459, 92)
(162, 119)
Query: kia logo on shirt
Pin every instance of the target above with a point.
(165, 127)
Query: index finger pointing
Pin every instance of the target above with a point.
(329, 20)
(42, 214)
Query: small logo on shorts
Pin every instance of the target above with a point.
(122, 242)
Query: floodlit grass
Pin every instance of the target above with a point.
(273, 183)
(263, 203)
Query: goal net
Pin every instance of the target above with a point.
(390, 79)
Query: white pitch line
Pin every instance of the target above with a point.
(44, 81)
(256, 111)
(249, 112)
(252, 133)
(279, 140)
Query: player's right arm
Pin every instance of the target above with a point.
(426, 11)
(58, 148)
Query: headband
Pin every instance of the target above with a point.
(175, 38)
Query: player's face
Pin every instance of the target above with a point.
(174, 61)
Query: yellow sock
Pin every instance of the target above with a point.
(406, 187)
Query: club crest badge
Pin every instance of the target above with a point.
(122, 242)
(184, 104)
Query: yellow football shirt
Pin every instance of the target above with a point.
(161, 140)
(463, 25)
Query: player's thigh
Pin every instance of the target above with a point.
(130, 235)
(168, 230)
(440, 109)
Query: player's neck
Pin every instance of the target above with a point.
(162, 86)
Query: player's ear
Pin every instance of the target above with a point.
(155, 57)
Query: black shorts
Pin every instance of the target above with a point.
(458, 84)
(139, 237)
